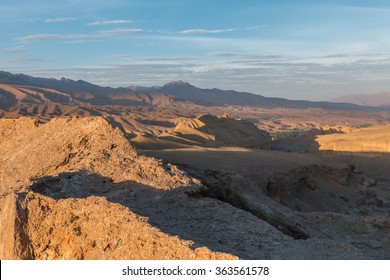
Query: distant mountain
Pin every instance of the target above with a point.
(377, 100)
(218, 97)
(178, 91)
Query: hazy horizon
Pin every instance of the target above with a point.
(300, 50)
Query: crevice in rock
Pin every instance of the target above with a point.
(23, 245)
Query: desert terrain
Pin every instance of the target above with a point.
(178, 172)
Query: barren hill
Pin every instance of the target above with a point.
(41, 102)
(208, 131)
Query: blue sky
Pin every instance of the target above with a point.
(301, 49)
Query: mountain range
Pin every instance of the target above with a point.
(18, 89)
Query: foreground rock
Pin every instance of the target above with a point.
(35, 226)
(39, 220)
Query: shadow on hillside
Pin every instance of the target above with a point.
(296, 141)
(118, 125)
(173, 211)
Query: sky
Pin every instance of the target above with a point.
(314, 50)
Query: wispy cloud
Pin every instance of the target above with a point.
(24, 60)
(50, 37)
(224, 54)
(74, 42)
(206, 31)
(14, 49)
(101, 33)
(216, 31)
(116, 32)
(51, 20)
(109, 22)
(256, 27)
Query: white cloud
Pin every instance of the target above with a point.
(206, 31)
(51, 20)
(109, 22)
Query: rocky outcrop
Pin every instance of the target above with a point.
(87, 228)
(54, 183)
(30, 149)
